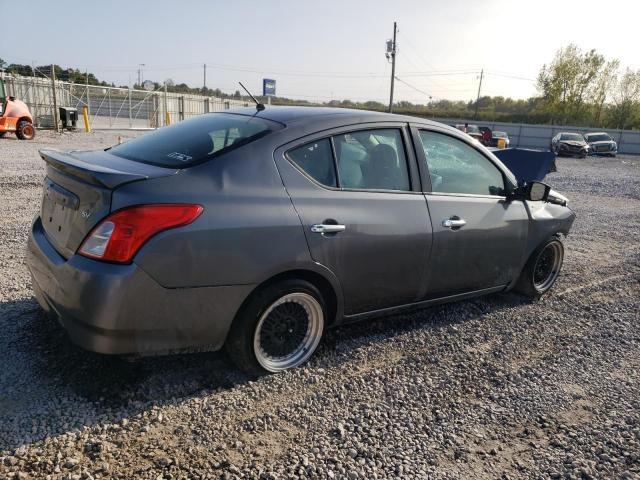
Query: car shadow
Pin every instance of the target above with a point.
(45, 373)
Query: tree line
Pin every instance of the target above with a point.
(576, 88)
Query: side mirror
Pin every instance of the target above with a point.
(534, 191)
(537, 191)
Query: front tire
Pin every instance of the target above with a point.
(25, 130)
(279, 328)
(542, 269)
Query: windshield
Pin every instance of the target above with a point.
(572, 136)
(195, 140)
(598, 137)
(500, 134)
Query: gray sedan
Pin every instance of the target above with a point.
(258, 230)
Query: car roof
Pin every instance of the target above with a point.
(596, 133)
(301, 115)
(569, 133)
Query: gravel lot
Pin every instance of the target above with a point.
(494, 387)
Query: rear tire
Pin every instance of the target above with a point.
(279, 328)
(25, 130)
(542, 269)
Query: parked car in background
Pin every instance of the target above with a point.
(258, 230)
(600, 143)
(569, 144)
(471, 130)
(495, 136)
(486, 135)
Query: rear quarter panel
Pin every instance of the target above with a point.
(247, 232)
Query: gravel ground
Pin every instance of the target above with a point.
(494, 387)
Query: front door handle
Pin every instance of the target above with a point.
(453, 223)
(327, 228)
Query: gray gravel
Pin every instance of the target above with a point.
(494, 387)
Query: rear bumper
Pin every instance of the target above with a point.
(119, 309)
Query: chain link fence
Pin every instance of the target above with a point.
(112, 107)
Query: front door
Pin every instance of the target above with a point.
(478, 235)
(362, 212)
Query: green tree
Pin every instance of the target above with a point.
(626, 100)
(568, 84)
(603, 87)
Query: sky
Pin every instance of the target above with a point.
(326, 49)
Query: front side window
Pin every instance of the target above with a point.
(372, 160)
(195, 140)
(455, 167)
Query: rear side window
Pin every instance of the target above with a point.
(316, 160)
(195, 140)
(372, 160)
(366, 160)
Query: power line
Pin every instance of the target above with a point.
(415, 88)
(515, 77)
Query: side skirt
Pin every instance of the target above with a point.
(419, 305)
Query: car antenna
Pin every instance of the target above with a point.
(259, 106)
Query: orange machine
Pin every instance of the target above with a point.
(15, 116)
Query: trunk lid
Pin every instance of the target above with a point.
(77, 192)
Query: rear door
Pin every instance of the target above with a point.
(357, 194)
(478, 235)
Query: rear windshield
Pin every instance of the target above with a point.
(500, 134)
(195, 140)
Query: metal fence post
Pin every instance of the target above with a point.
(166, 111)
(130, 118)
(55, 99)
(34, 96)
(109, 102)
(88, 99)
(519, 135)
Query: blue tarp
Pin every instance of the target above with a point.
(527, 165)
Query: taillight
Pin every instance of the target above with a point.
(118, 237)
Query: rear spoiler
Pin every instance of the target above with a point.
(101, 168)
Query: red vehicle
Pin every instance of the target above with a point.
(471, 130)
(15, 116)
(486, 136)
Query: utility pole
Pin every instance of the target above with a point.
(391, 51)
(475, 115)
(140, 65)
(204, 83)
(55, 99)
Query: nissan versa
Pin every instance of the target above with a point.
(257, 230)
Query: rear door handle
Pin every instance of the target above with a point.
(453, 223)
(327, 228)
